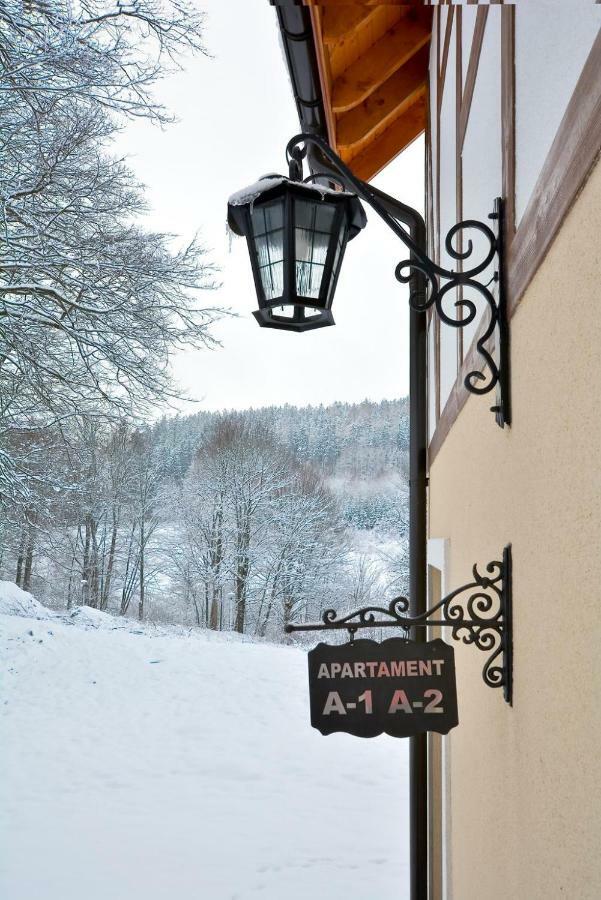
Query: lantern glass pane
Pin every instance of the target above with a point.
(268, 232)
(313, 230)
(286, 312)
(340, 243)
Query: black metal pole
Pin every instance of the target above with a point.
(418, 436)
(418, 592)
(418, 747)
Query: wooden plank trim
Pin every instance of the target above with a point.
(438, 107)
(430, 232)
(323, 70)
(386, 103)
(459, 168)
(381, 61)
(472, 70)
(445, 54)
(339, 22)
(574, 151)
(508, 117)
(383, 148)
(429, 179)
(437, 247)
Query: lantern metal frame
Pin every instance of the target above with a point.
(348, 219)
(441, 281)
(265, 315)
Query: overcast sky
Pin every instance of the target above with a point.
(235, 115)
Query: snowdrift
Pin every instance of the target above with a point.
(16, 602)
(93, 618)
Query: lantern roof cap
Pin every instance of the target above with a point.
(273, 184)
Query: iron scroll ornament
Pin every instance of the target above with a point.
(478, 613)
(441, 281)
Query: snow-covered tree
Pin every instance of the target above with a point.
(91, 304)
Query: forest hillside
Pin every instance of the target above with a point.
(237, 521)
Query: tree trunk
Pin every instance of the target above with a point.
(28, 558)
(196, 609)
(241, 576)
(242, 570)
(93, 578)
(214, 614)
(129, 579)
(85, 571)
(20, 558)
(216, 560)
(70, 588)
(104, 600)
(288, 607)
(265, 623)
(73, 567)
(142, 585)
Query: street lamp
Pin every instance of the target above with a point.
(297, 234)
(484, 617)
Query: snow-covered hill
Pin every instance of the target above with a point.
(143, 764)
(16, 602)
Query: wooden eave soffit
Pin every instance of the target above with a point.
(373, 65)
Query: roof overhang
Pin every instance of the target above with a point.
(359, 73)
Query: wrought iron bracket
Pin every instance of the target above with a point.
(463, 284)
(479, 613)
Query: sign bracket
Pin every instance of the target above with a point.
(479, 613)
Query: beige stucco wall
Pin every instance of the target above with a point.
(526, 782)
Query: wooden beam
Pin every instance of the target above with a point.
(324, 71)
(338, 21)
(472, 70)
(459, 168)
(508, 117)
(385, 104)
(382, 60)
(357, 42)
(390, 143)
(442, 72)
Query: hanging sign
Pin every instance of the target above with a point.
(396, 687)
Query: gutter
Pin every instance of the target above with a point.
(299, 50)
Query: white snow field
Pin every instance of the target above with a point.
(146, 764)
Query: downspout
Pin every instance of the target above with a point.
(418, 438)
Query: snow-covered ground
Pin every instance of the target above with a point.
(145, 764)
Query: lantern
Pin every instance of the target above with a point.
(296, 235)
